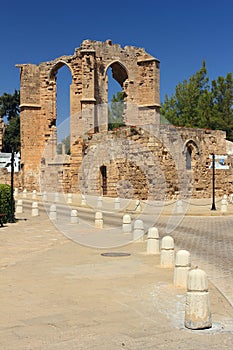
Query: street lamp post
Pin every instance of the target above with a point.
(213, 182)
(12, 212)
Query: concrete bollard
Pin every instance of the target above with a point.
(99, 202)
(197, 308)
(35, 209)
(74, 216)
(19, 206)
(179, 207)
(34, 194)
(25, 193)
(99, 222)
(44, 196)
(69, 198)
(231, 198)
(83, 201)
(182, 266)
(127, 226)
(153, 241)
(224, 205)
(53, 212)
(117, 203)
(138, 207)
(167, 252)
(138, 230)
(56, 197)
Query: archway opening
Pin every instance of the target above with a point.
(63, 83)
(103, 171)
(191, 154)
(117, 76)
(188, 158)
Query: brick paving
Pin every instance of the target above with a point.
(210, 242)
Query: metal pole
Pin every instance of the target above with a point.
(12, 213)
(213, 182)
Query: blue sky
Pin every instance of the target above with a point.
(181, 34)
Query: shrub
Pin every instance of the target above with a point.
(5, 201)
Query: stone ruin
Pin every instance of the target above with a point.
(145, 158)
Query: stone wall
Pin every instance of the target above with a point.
(153, 164)
(143, 159)
(135, 70)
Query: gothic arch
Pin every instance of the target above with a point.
(119, 72)
(191, 151)
(56, 67)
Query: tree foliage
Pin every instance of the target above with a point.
(9, 105)
(196, 103)
(5, 201)
(66, 142)
(116, 111)
(9, 109)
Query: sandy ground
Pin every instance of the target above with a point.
(58, 294)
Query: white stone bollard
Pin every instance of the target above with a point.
(179, 207)
(127, 225)
(197, 308)
(117, 203)
(16, 192)
(74, 216)
(69, 198)
(224, 205)
(231, 198)
(138, 230)
(35, 209)
(99, 202)
(25, 193)
(99, 222)
(138, 206)
(153, 241)
(53, 212)
(56, 197)
(83, 201)
(19, 206)
(167, 252)
(44, 196)
(182, 266)
(34, 194)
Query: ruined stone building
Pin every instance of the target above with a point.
(142, 159)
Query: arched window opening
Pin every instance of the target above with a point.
(188, 158)
(103, 171)
(116, 95)
(191, 154)
(63, 81)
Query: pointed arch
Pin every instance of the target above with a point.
(61, 81)
(119, 72)
(191, 151)
(59, 64)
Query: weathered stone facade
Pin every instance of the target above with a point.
(142, 159)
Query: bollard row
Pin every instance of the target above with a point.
(197, 306)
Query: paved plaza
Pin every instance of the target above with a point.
(59, 294)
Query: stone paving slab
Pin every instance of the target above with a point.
(57, 294)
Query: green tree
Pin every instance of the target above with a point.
(197, 104)
(9, 105)
(66, 142)
(184, 107)
(11, 138)
(222, 91)
(9, 109)
(116, 111)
